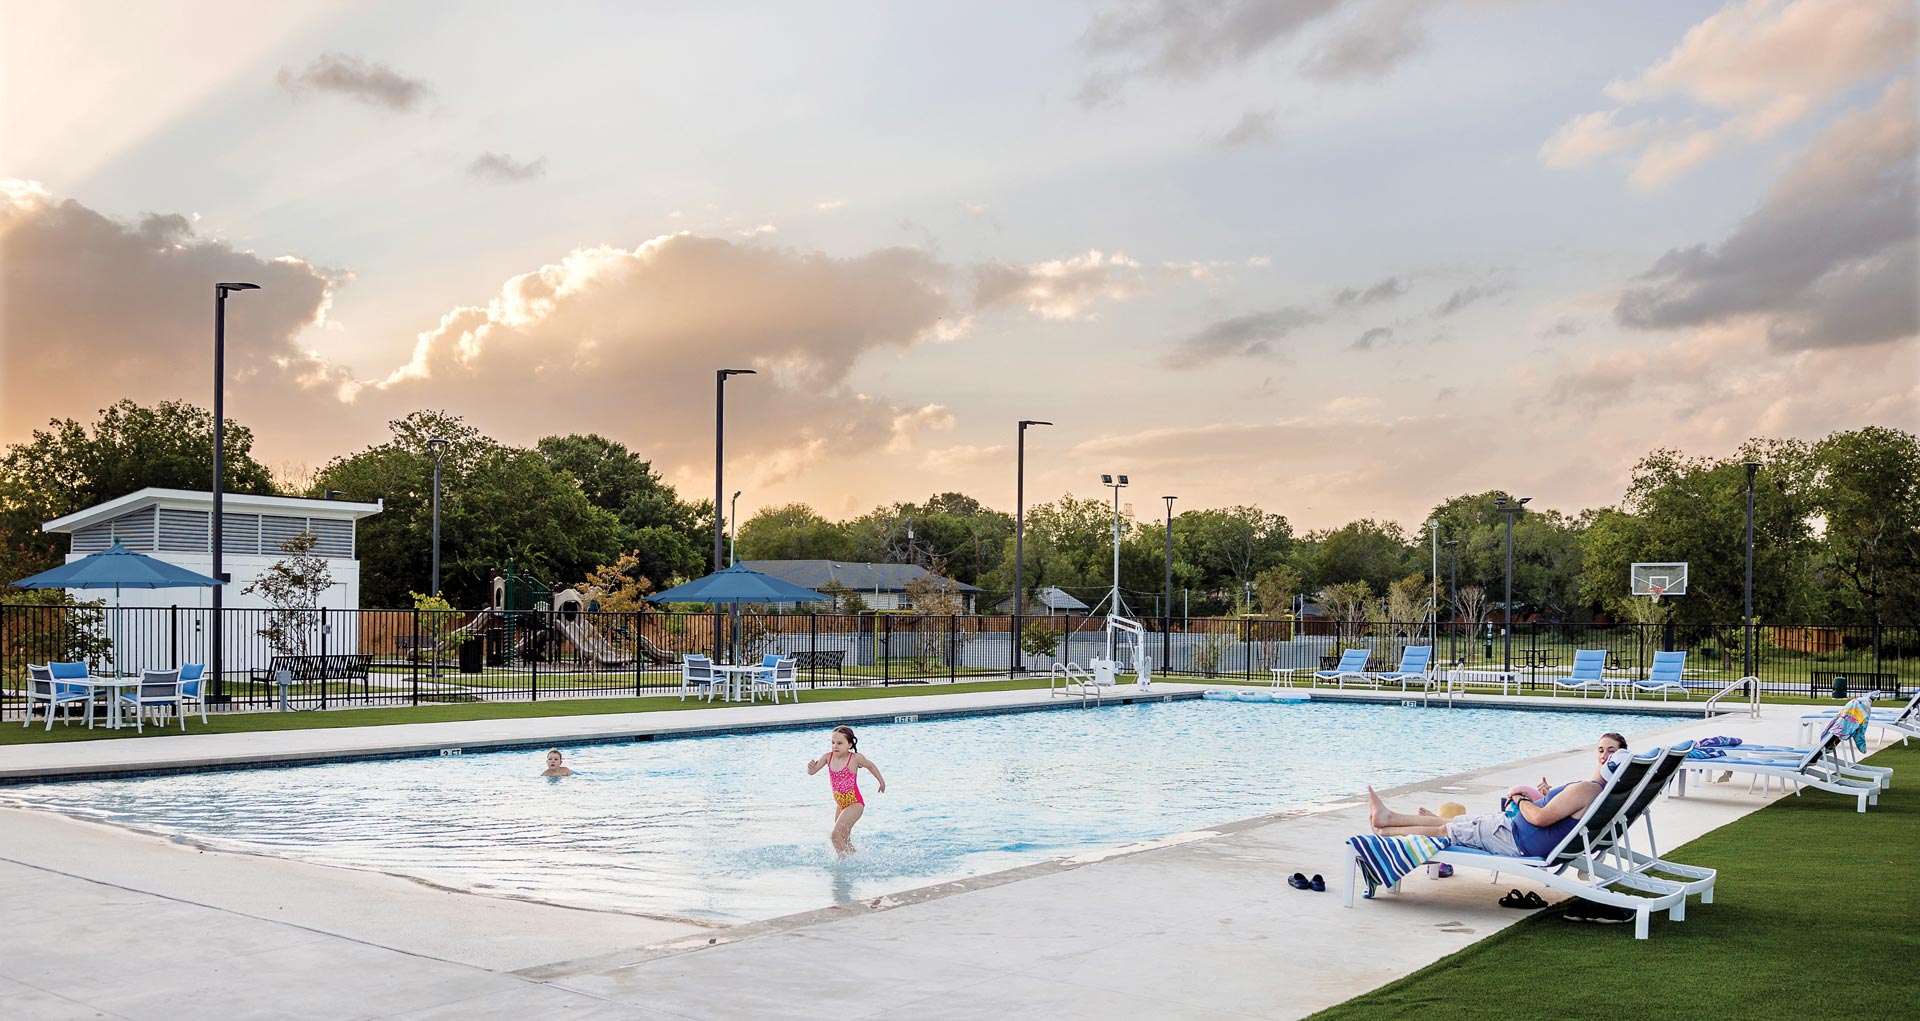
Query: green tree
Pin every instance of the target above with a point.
(1274, 589)
(68, 467)
(666, 537)
(1866, 486)
(1366, 550)
(792, 532)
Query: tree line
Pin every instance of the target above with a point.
(1836, 528)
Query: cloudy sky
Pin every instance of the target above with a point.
(1338, 258)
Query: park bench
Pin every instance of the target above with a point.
(819, 658)
(1859, 682)
(340, 666)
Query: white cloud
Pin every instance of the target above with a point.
(1068, 288)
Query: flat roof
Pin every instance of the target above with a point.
(194, 499)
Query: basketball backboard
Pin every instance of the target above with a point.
(1659, 579)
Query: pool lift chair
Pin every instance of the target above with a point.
(1102, 673)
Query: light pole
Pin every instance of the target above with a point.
(1453, 600)
(1113, 598)
(733, 528)
(1166, 605)
(1433, 618)
(1020, 536)
(438, 446)
(1511, 509)
(220, 292)
(1746, 642)
(719, 447)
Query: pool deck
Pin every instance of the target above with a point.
(100, 922)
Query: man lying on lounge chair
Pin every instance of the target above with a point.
(1539, 816)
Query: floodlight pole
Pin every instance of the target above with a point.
(1512, 511)
(1453, 601)
(218, 687)
(1166, 605)
(719, 450)
(1433, 606)
(438, 446)
(1746, 641)
(1019, 538)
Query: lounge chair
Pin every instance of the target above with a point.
(1904, 720)
(43, 689)
(1415, 661)
(1589, 673)
(698, 675)
(1353, 663)
(191, 677)
(1664, 676)
(1591, 849)
(1696, 879)
(1819, 768)
(158, 689)
(783, 675)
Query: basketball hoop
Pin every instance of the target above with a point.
(1656, 591)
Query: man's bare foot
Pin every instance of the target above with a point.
(1424, 810)
(1377, 810)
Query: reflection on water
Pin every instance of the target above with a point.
(732, 828)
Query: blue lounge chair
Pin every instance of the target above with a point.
(1820, 768)
(1353, 663)
(1904, 721)
(1414, 661)
(1589, 673)
(1665, 675)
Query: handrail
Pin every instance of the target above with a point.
(1070, 674)
(1752, 686)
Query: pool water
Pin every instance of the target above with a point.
(731, 828)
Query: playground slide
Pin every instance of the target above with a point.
(655, 653)
(590, 645)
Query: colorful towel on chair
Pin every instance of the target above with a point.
(1706, 753)
(1851, 722)
(1384, 861)
(1717, 742)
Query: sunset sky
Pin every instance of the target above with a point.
(1337, 258)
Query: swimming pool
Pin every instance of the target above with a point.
(730, 828)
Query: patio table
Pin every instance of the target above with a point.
(112, 686)
(734, 672)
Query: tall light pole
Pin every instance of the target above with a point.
(438, 446)
(1433, 611)
(1113, 598)
(719, 448)
(220, 292)
(1511, 510)
(733, 528)
(1746, 642)
(1166, 606)
(1020, 536)
(1453, 600)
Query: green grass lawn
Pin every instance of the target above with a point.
(246, 722)
(1813, 917)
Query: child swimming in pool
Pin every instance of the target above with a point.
(841, 761)
(554, 766)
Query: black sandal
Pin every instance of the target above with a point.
(1297, 881)
(1532, 901)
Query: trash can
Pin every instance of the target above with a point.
(471, 654)
(1839, 686)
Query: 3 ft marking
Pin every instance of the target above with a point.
(906, 719)
(449, 751)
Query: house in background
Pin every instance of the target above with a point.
(880, 586)
(176, 525)
(1049, 601)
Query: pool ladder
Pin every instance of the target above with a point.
(1064, 676)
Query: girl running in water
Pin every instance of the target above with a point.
(841, 760)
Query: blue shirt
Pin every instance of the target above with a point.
(1536, 841)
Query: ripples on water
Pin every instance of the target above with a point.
(732, 828)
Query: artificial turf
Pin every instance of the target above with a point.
(1816, 914)
(247, 722)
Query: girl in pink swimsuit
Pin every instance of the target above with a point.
(840, 762)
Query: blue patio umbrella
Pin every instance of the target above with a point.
(737, 585)
(116, 568)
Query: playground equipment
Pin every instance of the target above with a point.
(526, 621)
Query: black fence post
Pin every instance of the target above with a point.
(813, 650)
(953, 647)
(639, 661)
(533, 656)
(1014, 666)
(323, 652)
(1666, 637)
(886, 650)
(414, 656)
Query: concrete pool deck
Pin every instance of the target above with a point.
(1204, 928)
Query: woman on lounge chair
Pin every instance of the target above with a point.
(1540, 817)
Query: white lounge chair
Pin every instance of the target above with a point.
(1588, 673)
(1819, 769)
(698, 675)
(1902, 720)
(1664, 676)
(1591, 849)
(158, 689)
(44, 689)
(1353, 663)
(1415, 661)
(1695, 879)
(783, 675)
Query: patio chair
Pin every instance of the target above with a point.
(42, 689)
(784, 675)
(1665, 675)
(1819, 768)
(158, 689)
(1590, 850)
(1904, 721)
(1353, 663)
(1415, 660)
(1696, 879)
(697, 675)
(191, 676)
(1588, 674)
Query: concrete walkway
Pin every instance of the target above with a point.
(1204, 928)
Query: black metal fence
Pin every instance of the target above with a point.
(339, 658)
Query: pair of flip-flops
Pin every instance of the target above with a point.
(1300, 882)
(1524, 901)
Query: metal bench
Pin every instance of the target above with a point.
(818, 658)
(342, 666)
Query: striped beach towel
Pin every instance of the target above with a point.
(1385, 860)
(1851, 721)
